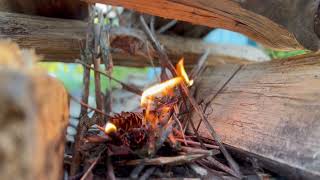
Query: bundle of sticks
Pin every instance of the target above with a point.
(153, 142)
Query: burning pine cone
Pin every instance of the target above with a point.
(130, 129)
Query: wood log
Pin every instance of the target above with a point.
(283, 25)
(269, 111)
(68, 9)
(33, 119)
(59, 39)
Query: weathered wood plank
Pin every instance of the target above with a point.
(58, 40)
(270, 111)
(229, 14)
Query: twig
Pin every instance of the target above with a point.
(86, 105)
(96, 62)
(176, 160)
(198, 169)
(199, 151)
(163, 57)
(167, 26)
(92, 165)
(221, 166)
(191, 122)
(124, 86)
(137, 170)
(213, 133)
(148, 173)
(196, 71)
(165, 132)
(199, 144)
(110, 172)
(85, 57)
(218, 92)
(152, 22)
(107, 60)
(181, 128)
(165, 62)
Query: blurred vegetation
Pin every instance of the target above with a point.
(284, 54)
(71, 75)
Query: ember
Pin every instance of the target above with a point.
(110, 128)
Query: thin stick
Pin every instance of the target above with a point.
(181, 128)
(163, 57)
(217, 93)
(137, 170)
(176, 160)
(199, 151)
(167, 26)
(152, 22)
(221, 166)
(110, 172)
(92, 165)
(198, 144)
(86, 105)
(85, 54)
(165, 62)
(124, 86)
(107, 60)
(196, 71)
(96, 62)
(148, 173)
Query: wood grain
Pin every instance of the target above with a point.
(269, 111)
(59, 40)
(226, 14)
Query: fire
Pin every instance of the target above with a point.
(159, 89)
(182, 73)
(163, 88)
(110, 128)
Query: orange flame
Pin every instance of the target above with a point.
(110, 128)
(163, 88)
(182, 72)
(159, 88)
